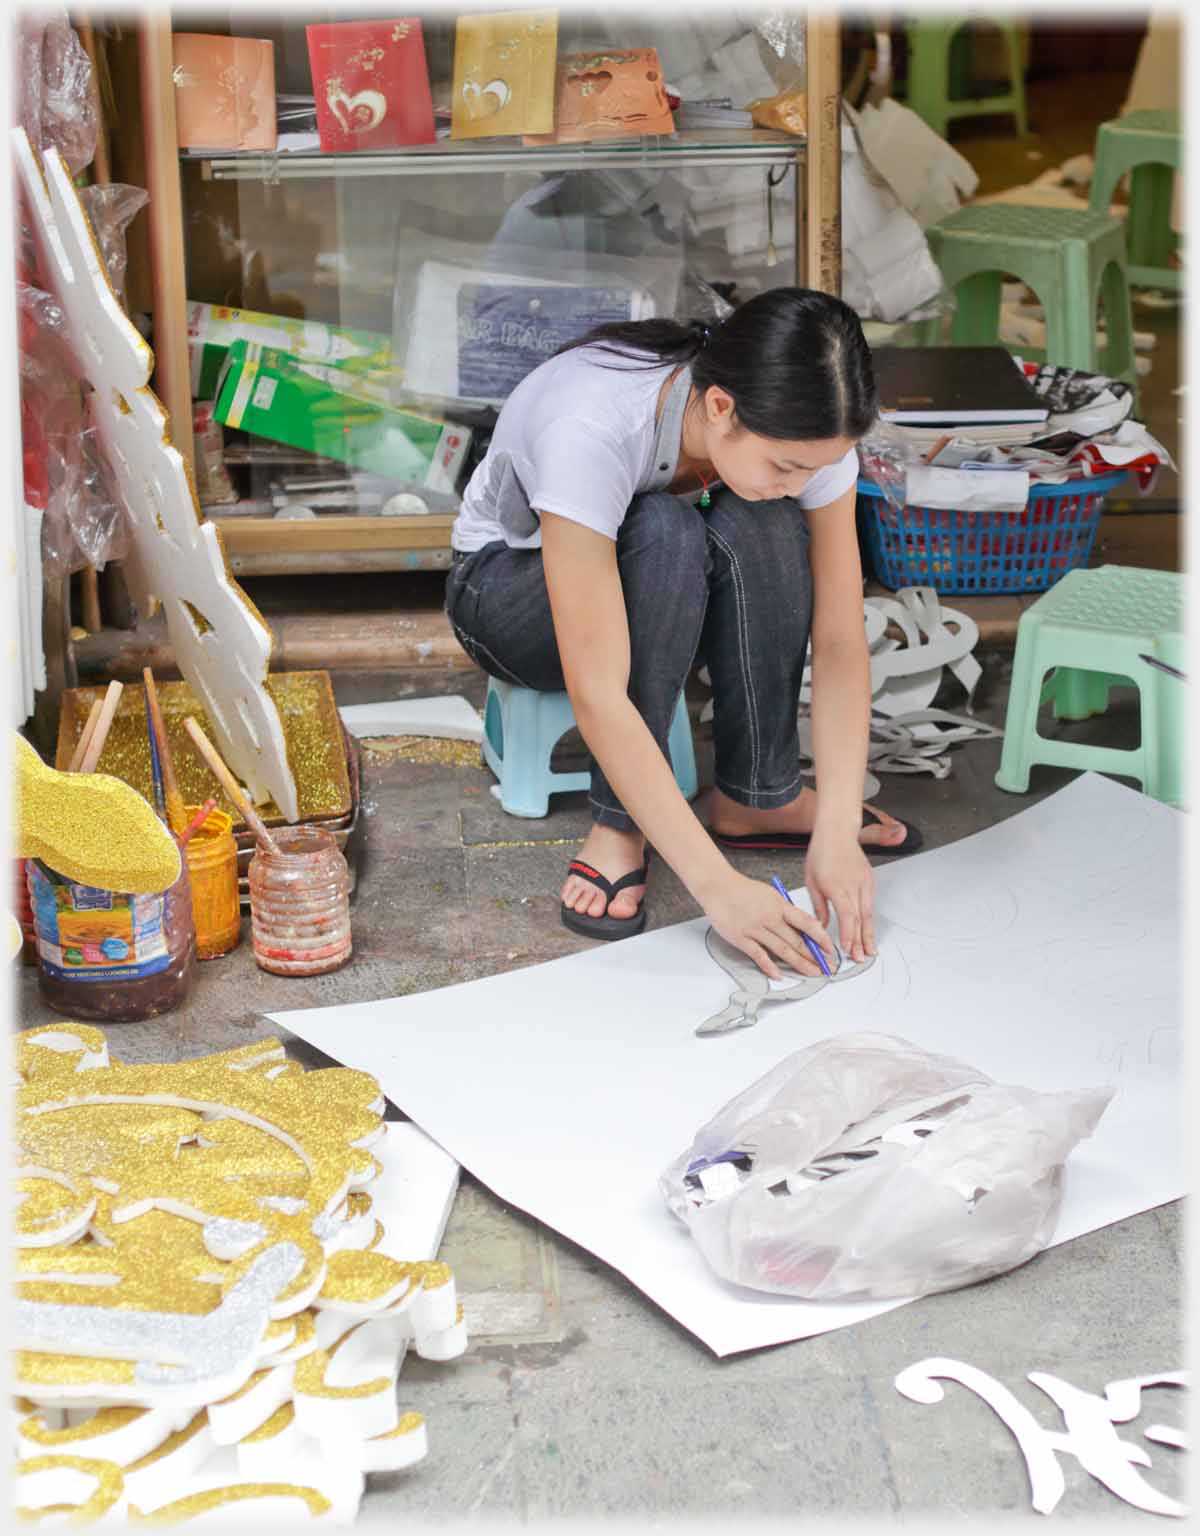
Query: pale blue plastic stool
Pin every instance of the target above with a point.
(520, 730)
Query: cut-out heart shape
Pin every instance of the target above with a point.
(358, 113)
(486, 101)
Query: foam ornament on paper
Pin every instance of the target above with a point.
(222, 644)
(206, 1313)
(753, 988)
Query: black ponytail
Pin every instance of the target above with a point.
(795, 362)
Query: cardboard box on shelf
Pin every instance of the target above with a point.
(315, 406)
(212, 328)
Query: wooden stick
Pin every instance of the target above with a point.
(176, 814)
(197, 822)
(230, 785)
(100, 735)
(85, 736)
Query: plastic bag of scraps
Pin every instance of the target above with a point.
(864, 1167)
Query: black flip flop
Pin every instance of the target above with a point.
(797, 842)
(605, 927)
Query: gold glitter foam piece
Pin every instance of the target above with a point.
(308, 1123)
(271, 1427)
(110, 1484)
(214, 1498)
(103, 1422)
(91, 828)
(316, 747)
(423, 749)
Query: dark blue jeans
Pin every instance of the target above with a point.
(729, 586)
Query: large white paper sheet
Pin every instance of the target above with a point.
(1045, 950)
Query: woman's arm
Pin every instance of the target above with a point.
(836, 871)
(592, 631)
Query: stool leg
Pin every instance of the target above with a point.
(523, 778)
(928, 71)
(683, 751)
(1148, 227)
(1071, 327)
(1119, 360)
(976, 320)
(1164, 734)
(1016, 80)
(1079, 694)
(1020, 721)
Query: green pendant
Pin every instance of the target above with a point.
(705, 498)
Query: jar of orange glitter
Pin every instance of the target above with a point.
(300, 903)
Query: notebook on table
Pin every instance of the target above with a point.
(949, 386)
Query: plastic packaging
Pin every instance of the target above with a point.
(864, 1167)
(108, 956)
(300, 904)
(111, 209)
(216, 905)
(56, 101)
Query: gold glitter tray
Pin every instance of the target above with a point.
(312, 731)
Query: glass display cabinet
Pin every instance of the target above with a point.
(390, 298)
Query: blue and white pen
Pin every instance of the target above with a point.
(813, 947)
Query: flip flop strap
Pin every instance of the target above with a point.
(610, 888)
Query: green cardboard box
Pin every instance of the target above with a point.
(310, 405)
(212, 328)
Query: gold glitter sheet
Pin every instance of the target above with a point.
(312, 730)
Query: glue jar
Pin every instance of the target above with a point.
(300, 903)
(110, 956)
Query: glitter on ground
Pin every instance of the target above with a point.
(422, 749)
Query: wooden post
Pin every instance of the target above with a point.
(172, 380)
(823, 171)
(89, 581)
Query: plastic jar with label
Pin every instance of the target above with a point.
(109, 956)
(216, 901)
(300, 903)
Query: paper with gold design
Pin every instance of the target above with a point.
(504, 73)
(209, 1310)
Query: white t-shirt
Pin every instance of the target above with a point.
(578, 437)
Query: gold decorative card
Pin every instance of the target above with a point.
(504, 74)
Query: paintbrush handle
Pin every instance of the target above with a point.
(197, 822)
(230, 785)
(85, 736)
(176, 815)
(100, 735)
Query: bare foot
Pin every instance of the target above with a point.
(729, 819)
(612, 854)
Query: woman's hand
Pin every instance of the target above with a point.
(838, 876)
(757, 920)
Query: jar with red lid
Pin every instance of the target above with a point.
(300, 903)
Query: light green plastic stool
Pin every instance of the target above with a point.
(1069, 257)
(1091, 629)
(1148, 147)
(930, 51)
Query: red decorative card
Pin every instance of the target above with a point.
(371, 84)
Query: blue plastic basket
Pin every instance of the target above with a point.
(956, 552)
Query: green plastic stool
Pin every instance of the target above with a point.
(1069, 257)
(1092, 628)
(931, 69)
(1148, 147)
